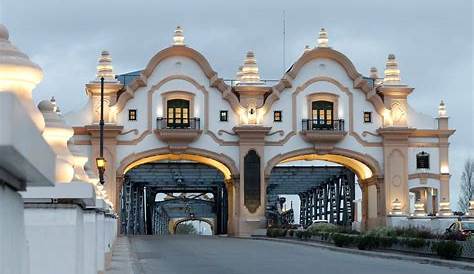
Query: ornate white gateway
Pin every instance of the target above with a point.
(178, 108)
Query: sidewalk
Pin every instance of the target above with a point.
(378, 254)
(122, 261)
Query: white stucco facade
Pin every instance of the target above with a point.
(382, 149)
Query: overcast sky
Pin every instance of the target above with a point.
(432, 40)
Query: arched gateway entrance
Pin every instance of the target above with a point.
(366, 169)
(178, 109)
(194, 184)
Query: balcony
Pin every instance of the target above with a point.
(314, 132)
(182, 133)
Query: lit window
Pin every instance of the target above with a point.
(422, 160)
(367, 117)
(132, 114)
(277, 116)
(223, 116)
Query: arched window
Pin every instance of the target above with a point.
(422, 160)
(252, 181)
(178, 113)
(322, 114)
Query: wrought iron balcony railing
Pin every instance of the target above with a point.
(315, 125)
(167, 123)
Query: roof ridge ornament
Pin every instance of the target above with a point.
(178, 38)
(323, 39)
(105, 68)
(307, 48)
(250, 74)
(392, 72)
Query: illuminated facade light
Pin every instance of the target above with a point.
(396, 207)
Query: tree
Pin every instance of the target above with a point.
(467, 186)
(186, 228)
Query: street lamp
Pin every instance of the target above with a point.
(100, 161)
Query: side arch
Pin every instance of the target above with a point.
(364, 165)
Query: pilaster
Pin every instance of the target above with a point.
(252, 188)
(395, 146)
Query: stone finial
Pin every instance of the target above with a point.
(105, 68)
(178, 38)
(250, 75)
(442, 112)
(307, 48)
(392, 73)
(19, 75)
(323, 39)
(57, 134)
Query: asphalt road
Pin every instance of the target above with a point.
(217, 255)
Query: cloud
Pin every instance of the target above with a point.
(433, 46)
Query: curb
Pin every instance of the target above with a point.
(378, 254)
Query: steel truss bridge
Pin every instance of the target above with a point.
(197, 191)
(326, 193)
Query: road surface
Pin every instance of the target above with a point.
(183, 254)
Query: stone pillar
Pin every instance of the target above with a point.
(233, 198)
(110, 142)
(252, 201)
(444, 133)
(395, 146)
(365, 206)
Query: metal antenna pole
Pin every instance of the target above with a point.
(284, 42)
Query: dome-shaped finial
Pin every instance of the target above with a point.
(323, 39)
(307, 48)
(442, 112)
(250, 75)
(4, 35)
(178, 38)
(392, 73)
(105, 68)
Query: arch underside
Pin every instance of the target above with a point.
(362, 170)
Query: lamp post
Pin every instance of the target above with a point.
(100, 161)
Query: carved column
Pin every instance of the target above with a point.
(252, 185)
(395, 146)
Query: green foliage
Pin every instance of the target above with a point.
(318, 228)
(367, 242)
(414, 242)
(342, 240)
(291, 232)
(186, 228)
(447, 249)
(276, 232)
(414, 232)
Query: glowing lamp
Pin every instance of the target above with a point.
(100, 163)
(444, 169)
(419, 209)
(396, 207)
